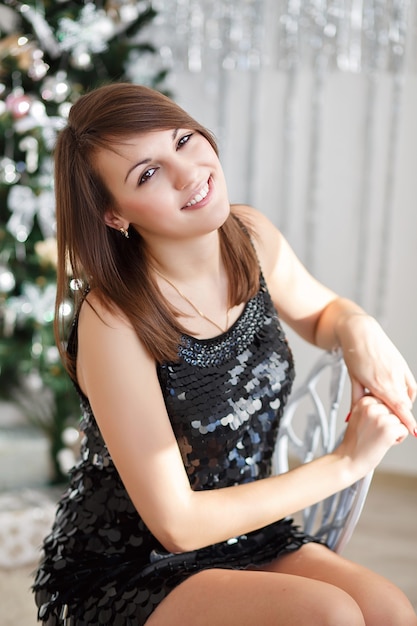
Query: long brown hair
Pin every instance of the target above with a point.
(99, 256)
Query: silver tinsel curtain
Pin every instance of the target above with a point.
(273, 59)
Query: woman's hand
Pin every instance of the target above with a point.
(372, 430)
(376, 366)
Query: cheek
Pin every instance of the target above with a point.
(141, 212)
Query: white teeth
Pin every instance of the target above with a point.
(199, 197)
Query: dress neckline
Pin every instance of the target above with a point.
(222, 334)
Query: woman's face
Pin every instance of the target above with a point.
(166, 184)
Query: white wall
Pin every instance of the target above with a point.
(347, 246)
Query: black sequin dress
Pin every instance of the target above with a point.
(224, 397)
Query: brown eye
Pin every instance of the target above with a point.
(184, 140)
(147, 175)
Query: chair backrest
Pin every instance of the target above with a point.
(308, 429)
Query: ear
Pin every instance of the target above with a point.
(115, 220)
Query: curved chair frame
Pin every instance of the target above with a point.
(334, 519)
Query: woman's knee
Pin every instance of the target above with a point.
(392, 609)
(335, 607)
(380, 601)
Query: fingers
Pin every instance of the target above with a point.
(401, 407)
(384, 419)
(395, 428)
(411, 385)
(371, 431)
(402, 433)
(398, 398)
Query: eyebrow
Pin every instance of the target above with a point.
(148, 160)
(135, 166)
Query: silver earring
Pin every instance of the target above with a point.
(124, 232)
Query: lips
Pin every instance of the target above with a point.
(199, 196)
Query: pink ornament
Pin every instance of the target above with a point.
(18, 104)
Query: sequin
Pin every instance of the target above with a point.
(224, 397)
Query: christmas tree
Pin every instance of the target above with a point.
(51, 52)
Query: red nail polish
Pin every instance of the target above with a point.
(348, 418)
(415, 432)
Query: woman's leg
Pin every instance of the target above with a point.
(380, 601)
(244, 598)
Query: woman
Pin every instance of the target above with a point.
(183, 370)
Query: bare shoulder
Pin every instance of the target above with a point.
(95, 310)
(107, 344)
(102, 323)
(266, 237)
(257, 223)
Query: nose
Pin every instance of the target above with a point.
(185, 174)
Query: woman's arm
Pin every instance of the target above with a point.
(374, 363)
(323, 318)
(120, 379)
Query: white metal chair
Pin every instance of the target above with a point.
(308, 430)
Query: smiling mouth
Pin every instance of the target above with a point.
(199, 196)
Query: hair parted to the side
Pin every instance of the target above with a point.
(97, 255)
